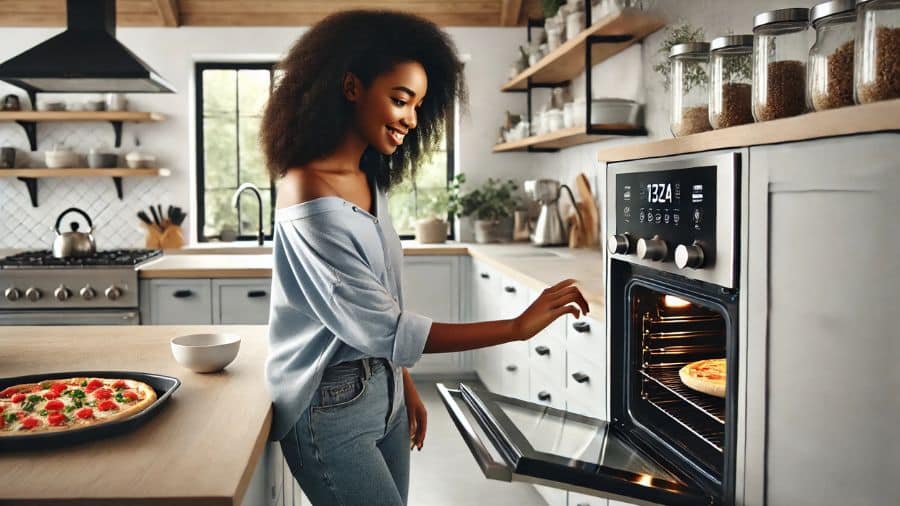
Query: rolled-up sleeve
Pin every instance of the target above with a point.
(344, 293)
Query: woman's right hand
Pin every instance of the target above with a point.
(550, 305)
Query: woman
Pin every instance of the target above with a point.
(361, 101)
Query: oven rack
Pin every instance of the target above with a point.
(667, 377)
(714, 438)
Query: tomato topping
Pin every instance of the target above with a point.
(6, 392)
(20, 415)
(130, 394)
(2, 408)
(30, 422)
(18, 397)
(103, 393)
(93, 385)
(54, 405)
(36, 388)
(106, 405)
(51, 394)
(56, 419)
(120, 384)
(84, 413)
(59, 387)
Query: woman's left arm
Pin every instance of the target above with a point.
(415, 411)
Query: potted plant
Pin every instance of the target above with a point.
(491, 206)
(433, 227)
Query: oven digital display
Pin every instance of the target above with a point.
(659, 193)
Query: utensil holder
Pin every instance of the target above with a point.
(170, 237)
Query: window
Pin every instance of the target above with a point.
(410, 201)
(230, 101)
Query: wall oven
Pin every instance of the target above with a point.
(672, 299)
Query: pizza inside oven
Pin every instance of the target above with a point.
(707, 376)
(70, 404)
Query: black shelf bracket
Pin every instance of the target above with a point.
(31, 183)
(117, 180)
(30, 128)
(117, 130)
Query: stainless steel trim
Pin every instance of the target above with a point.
(69, 317)
(743, 41)
(790, 15)
(828, 9)
(689, 48)
(489, 467)
(727, 164)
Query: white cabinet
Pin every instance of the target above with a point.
(431, 287)
(585, 377)
(513, 355)
(484, 305)
(576, 499)
(241, 301)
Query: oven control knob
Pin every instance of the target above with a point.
(87, 293)
(12, 294)
(113, 292)
(689, 256)
(652, 249)
(61, 293)
(619, 243)
(33, 294)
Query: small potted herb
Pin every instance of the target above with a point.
(491, 206)
(433, 227)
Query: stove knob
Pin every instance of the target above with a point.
(619, 243)
(87, 293)
(12, 294)
(113, 292)
(652, 249)
(33, 294)
(62, 293)
(689, 256)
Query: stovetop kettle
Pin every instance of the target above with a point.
(74, 243)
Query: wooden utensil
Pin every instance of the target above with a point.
(589, 213)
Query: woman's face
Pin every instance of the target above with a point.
(387, 110)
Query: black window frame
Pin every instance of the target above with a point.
(199, 67)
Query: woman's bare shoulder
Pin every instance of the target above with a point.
(299, 186)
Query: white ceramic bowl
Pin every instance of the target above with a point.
(205, 352)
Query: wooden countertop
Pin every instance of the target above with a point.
(857, 119)
(201, 449)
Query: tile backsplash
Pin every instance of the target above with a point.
(115, 222)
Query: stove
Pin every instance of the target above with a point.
(100, 289)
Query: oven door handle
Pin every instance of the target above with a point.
(491, 468)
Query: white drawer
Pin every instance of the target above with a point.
(548, 356)
(586, 385)
(553, 496)
(513, 297)
(546, 391)
(586, 337)
(514, 376)
(576, 499)
(180, 302)
(241, 301)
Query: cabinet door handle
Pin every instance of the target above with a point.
(181, 294)
(512, 368)
(581, 327)
(510, 289)
(542, 350)
(544, 395)
(581, 377)
(582, 504)
(254, 294)
(485, 275)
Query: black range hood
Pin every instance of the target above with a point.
(85, 58)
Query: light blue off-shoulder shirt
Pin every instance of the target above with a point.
(336, 297)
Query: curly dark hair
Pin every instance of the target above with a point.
(308, 115)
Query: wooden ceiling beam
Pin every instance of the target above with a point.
(509, 12)
(168, 12)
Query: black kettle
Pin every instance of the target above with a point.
(74, 243)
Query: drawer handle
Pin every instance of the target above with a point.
(581, 377)
(544, 395)
(512, 368)
(485, 275)
(582, 504)
(181, 294)
(542, 350)
(581, 327)
(255, 294)
(510, 289)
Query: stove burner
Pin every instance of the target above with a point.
(109, 258)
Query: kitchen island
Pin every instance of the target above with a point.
(201, 449)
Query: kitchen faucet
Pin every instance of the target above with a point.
(236, 199)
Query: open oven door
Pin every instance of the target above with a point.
(515, 440)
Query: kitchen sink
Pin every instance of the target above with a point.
(537, 254)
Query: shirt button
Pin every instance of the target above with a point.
(376, 220)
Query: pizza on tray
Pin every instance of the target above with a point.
(70, 404)
(707, 376)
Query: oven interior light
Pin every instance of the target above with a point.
(645, 480)
(673, 301)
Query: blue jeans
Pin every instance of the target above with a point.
(343, 450)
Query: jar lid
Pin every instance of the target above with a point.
(792, 15)
(827, 9)
(731, 42)
(689, 48)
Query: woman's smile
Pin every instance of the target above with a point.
(396, 135)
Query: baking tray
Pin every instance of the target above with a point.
(163, 385)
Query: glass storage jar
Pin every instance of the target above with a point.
(780, 50)
(690, 90)
(877, 59)
(730, 80)
(829, 76)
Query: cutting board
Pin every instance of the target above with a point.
(590, 215)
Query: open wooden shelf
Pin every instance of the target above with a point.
(134, 116)
(568, 60)
(568, 137)
(84, 172)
